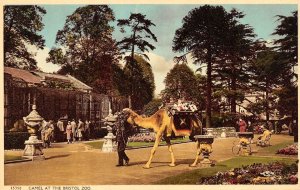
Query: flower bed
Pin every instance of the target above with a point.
(274, 173)
(142, 137)
(289, 150)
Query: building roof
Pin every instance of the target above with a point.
(37, 77)
(26, 76)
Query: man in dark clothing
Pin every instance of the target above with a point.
(121, 130)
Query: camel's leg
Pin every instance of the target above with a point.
(157, 140)
(168, 141)
(197, 155)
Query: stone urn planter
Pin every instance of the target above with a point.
(244, 142)
(109, 144)
(33, 146)
(206, 142)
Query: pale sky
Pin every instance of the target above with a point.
(167, 18)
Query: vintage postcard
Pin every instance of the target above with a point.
(149, 94)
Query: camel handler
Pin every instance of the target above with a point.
(121, 130)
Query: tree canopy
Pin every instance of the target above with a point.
(140, 28)
(21, 27)
(232, 69)
(136, 43)
(202, 34)
(89, 47)
(181, 82)
(287, 45)
(140, 82)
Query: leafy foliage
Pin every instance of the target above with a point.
(202, 34)
(232, 69)
(60, 85)
(15, 140)
(288, 100)
(142, 88)
(152, 107)
(139, 25)
(89, 48)
(288, 44)
(21, 27)
(267, 73)
(182, 82)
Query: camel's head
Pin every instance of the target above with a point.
(131, 115)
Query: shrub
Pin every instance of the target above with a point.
(99, 133)
(15, 140)
(152, 107)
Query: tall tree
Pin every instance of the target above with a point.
(140, 78)
(181, 82)
(136, 43)
(89, 47)
(21, 27)
(233, 66)
(287, 45)
(267, 71)
(202, 35)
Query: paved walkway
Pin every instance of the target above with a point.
(76, 164)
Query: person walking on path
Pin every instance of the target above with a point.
(50, 134)
(69, 131)
(74, 128)
(44, 127)
(87, 130)
(80, 128)
(60, 125)
(121, 137)
(242, 125)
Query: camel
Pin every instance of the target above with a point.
(163, 125)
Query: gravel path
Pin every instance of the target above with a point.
(76, 164)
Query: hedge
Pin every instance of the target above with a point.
(98, 133)
(15, 140)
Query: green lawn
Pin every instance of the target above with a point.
(95, 144)
(273, 148)
(12, 157)
(142, 144)
(98, 144)
(193, 177)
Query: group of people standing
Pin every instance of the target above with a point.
(72, 131)
(78, 131)
(47, 132)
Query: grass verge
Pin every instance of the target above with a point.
(95, 144)
(193, 177)
(273, 148)
(99, 144)
(12, 158)
(149, 144)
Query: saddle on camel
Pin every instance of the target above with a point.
(177, 119)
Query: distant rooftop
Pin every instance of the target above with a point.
(37, 77)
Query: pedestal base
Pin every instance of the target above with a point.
(33, 149)
(245, 151)
(223, 135)
(206, 163)
(109, 144)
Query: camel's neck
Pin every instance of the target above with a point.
(145, 122)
